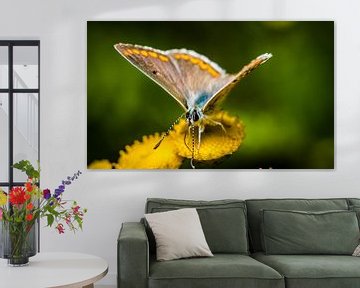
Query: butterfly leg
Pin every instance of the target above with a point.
(215, 122)
(191, 132)
(201, 130)
(192, 127)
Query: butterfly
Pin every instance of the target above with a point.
(198, 84)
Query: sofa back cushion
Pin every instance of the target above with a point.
(298, 232)
(353, 201)
(223, 221)
(354, 205)
(255, 206)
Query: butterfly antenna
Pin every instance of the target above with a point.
(168, 131)
(193, 146)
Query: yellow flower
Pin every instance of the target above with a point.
(216, 140)
(3, 198)
(142, 155)
(222, 135)
(100, 164)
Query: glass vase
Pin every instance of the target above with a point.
(18, 242)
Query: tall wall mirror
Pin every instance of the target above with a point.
(19, 108)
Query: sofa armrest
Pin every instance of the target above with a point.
(133, 256)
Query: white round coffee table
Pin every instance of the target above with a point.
(70, 270)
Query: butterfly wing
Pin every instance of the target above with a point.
(200, 76)
(220, 95)
(190, 78)
(158, 66)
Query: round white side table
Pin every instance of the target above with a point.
(60, 270)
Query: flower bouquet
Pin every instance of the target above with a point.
(21, 208)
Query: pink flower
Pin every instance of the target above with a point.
(60, 228)
(68, 219)
(1, 212)
(76, 209)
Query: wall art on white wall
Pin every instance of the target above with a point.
(279, 116)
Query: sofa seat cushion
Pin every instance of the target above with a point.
(313, 271)
(222, 270)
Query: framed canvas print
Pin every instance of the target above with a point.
(213, 95)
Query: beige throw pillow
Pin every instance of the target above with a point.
(178, 234)
(357, 251)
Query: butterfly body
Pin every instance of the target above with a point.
(198, 84)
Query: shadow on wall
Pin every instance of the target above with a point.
(164, 9)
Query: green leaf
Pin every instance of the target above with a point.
(26, 166)
(50, 219)
(79, 221)
(53, 212)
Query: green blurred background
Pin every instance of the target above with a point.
(287, 105)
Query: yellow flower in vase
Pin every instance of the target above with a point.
(3, 198)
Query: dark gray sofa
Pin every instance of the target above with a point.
(233, 231)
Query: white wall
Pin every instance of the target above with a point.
(113, 197)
